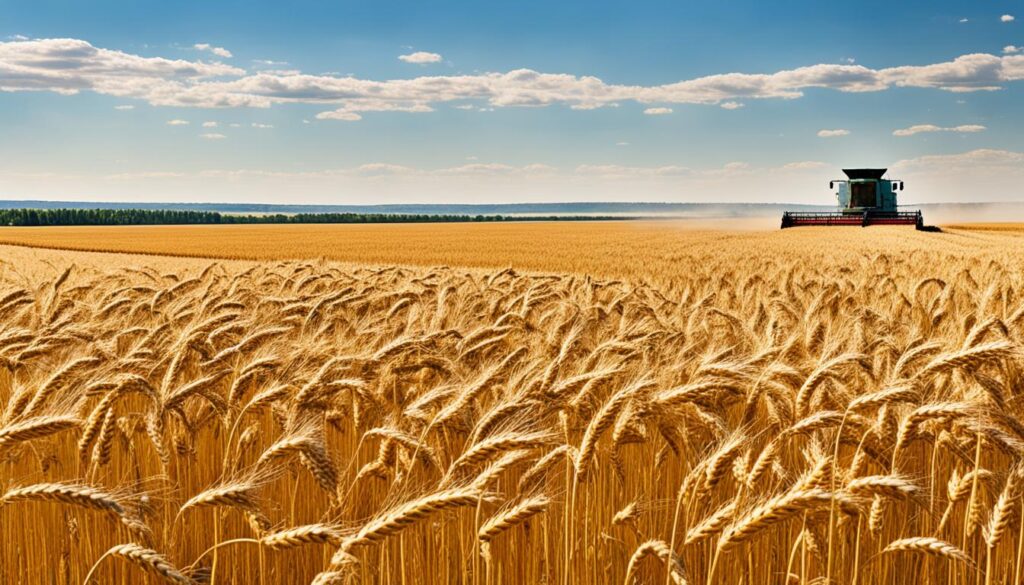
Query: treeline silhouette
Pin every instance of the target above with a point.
(44, 217)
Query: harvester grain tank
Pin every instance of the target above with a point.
(865, 198)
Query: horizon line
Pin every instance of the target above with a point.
(8, 203)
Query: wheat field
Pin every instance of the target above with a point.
(644, 406)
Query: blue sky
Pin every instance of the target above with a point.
(363, 102)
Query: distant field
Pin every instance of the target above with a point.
(644, 249)
(988, 227)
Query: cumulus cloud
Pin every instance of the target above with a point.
(1011, 49)
(626, 172)
(350, 112)
(979, 159)
(210, 124)
(804, 165)
(144, 175)
(963, 20)
(657, 111)
(984, 174)
(1007, 18)
(730, 169)
(597, 106)
(212, 136)
(69, 66)
(262, 126)
(269, 63)
(732, 105)
(420, 58)
(976, 72)
(177, 122)
(218, 51)
(124, 107)
(380, 169)
(833, 133)
(921, 128)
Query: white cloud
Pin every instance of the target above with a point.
(281, 72)
(212, 136)
(339, 115)
(124, 107)
(262, 126)
(420, 58)
(597, 106)
(378, 169)
(732, 105)
(210, 124)
(963, 20)
(625, 172)
(69, 66)
(1011, 49)
(730, 168)
(833, 133)
(974, 159)
(921, 128)
(1007, 18)
(804, 165)
(350, 112)
(478, 169)
(18, 38)
(621, 144)
(218, 51)
(976, 72)
(144, 175)
(658, 111)
(177, 122)
(984, 174)
(269, 63)
(539, 169)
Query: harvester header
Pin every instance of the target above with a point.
(865, 198)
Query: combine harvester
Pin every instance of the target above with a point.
(865, 198)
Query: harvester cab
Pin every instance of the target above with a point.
(865, 198)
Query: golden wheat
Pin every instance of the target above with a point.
(733, 407)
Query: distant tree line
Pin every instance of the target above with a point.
(43, 217)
